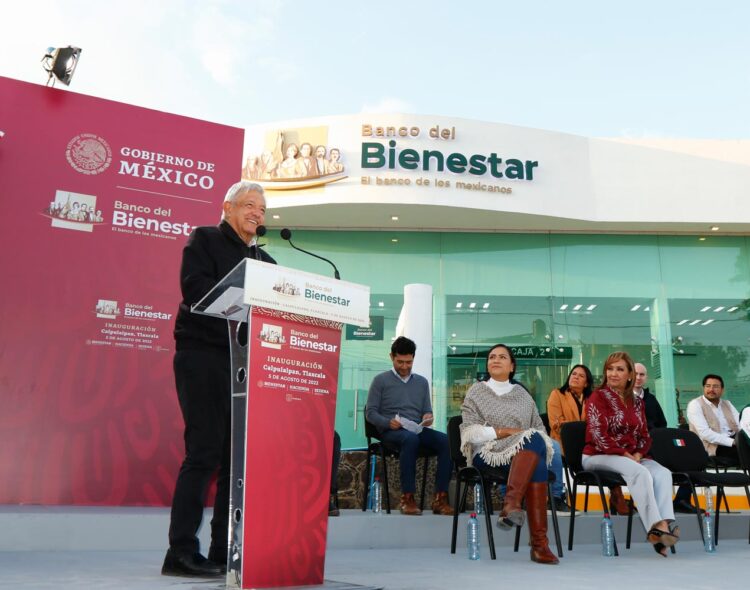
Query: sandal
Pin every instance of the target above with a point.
(657, 536)
(660, 548)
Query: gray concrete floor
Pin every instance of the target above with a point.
(73, 548)
(402, 569)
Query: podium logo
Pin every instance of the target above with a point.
(108, 309)
(88, 153)
(272, 336)
(286, 287)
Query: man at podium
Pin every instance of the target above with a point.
(203, 381)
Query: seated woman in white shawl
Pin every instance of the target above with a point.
(502, 430)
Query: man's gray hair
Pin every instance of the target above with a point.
(240, 188)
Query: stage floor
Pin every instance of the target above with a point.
(78, 548)
(430, 568)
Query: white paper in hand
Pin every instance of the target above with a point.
(409, 425)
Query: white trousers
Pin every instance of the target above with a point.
(649, 483)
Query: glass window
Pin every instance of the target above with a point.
(557, 299)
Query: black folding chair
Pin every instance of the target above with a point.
(743, 450)
(573, 436)
(377, 447)
(682, 452)
(566, 471)
(467, 476)
(722, 465)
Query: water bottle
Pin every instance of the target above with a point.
(478, 499)
(377, 496)
(708, 526)
(608, 537)
(472, 537)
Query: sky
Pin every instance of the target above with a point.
(636, 69)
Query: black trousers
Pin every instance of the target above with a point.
(335, 462)
(203, 385)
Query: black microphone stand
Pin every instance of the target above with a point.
(287, 235)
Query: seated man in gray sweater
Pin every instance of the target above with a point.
(403, 394)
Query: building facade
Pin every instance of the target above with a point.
(563, 247)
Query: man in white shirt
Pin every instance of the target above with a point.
(715, 420)
(745, 419)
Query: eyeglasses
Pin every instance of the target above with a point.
(715, 386)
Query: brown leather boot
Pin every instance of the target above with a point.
(440, 504)
(521, 469)
(536, 508)
(617, 502)
(409, 505)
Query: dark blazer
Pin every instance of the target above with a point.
(209, 254)
(654, 414)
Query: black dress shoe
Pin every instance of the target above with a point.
(180, 563)
(684, 507)
(219, 557)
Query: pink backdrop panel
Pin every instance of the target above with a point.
(96, 201)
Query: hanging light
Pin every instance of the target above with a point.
(61, 63)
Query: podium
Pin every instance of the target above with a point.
(285, 337)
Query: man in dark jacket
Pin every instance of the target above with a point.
(202, 376)
(654, 414)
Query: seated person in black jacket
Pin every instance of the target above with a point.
(654, 414)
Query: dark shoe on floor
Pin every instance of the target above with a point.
(333, 508)
(219, 558)
(181, 563)
(684, 507)
(561, 505)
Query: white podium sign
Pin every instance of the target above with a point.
(294, 291)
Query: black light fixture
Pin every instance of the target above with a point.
(60, 63)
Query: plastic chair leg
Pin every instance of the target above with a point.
(555, 523)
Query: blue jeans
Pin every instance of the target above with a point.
(409, 444)
(555, 467)
(535, 444)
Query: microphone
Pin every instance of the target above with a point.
(260, 231)
(286, 234)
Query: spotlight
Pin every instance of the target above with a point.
(61, 63)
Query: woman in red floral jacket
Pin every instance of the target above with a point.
(617, 439)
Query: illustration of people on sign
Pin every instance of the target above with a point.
(271, 336)
(106, 308)
(286, 287)
(289, 167)
(73, 211)
(294, 161)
